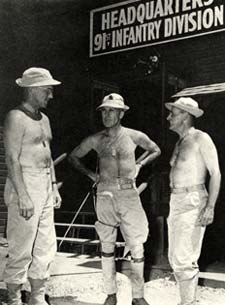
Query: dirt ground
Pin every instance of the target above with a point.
(87, 289)
(78, 281)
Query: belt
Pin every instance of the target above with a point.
(39, 170)
(120, 183)
(188, 189)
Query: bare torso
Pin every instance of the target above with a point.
(187, 165)
(116, 155)
(35, 146)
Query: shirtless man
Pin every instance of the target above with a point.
(191, 206)
(118, 202)
(30, 190)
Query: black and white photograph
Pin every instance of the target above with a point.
(112, 140)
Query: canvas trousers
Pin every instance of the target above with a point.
(121, 208)
(185, 240)
(32, 243)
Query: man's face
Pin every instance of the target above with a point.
(111, 116)
(42, 95)
(176, 118)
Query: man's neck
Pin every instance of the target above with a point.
(183, 131)
(32, 108)
(113, 131)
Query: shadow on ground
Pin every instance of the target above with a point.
(92, 264)
(51, 301)
(69, 301)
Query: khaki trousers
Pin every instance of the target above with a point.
(185, 240)
(32, 243)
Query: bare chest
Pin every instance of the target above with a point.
(122, 147)
(37, 132)
(186, 153)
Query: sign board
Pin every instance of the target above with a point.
(138, 23)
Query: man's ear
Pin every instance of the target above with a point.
(186, 116)
(121, 114)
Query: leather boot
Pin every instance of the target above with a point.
(139, 301)
(14, 294)
(37, 294)
(111, 300)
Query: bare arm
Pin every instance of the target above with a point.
(56, 196)
(13, 137)
(79, 152)
(210, 157)
(152, 151)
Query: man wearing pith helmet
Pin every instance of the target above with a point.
(191, 206)
(31, 190)
(118, 203)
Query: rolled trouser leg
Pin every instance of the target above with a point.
(14, 294)
(188, 290)
(137, 271)
(109, 268)
(37, 295)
